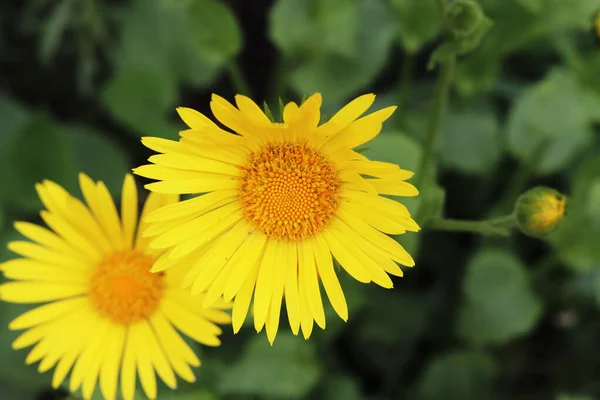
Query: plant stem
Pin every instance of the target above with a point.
(498, 227)
(435, 119)
(404, 87)
(237, 79)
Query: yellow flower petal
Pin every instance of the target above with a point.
(129, 210)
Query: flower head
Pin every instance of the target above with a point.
(106, 314)
(540, 210)
(278, 201)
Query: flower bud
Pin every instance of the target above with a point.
(540, 211)
(463, 17)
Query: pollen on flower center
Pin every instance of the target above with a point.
(289, 190)
(124, 289)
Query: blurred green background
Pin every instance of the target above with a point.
(478, 318)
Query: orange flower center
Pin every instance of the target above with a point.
(289, 191)
(123, 288)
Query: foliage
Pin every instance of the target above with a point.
(83, 80)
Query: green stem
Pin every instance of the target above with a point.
(498, 227)
(437, 112)
(405, 80)
(237, 79)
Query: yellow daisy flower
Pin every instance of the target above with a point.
(280, 199)
(106, 314)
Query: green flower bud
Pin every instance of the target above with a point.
(463, 17)
(540, 211)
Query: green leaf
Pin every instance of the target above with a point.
(515, 28)
(54, 29)
(48, 156)
(340, 387)
(13, 117)
(460, 375)
(339, 22)
(8, 235)
(498, 304)
(533, 6)
(392, 318)
(469, 140)
(432, 202)
(214, 31)
(98, 157)
(13, 368)
(390, 326)
(576, 240)
(356, 299)
(573, 397)
(157, 37)
(592, 208)
(551, 119)
(140, 98)
(324, 72)
(291, 26)
(289, 369)
(399, 149)
(179, 395)
(301, 28)
(58, 153)
(418, 22)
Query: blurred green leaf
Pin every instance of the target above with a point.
(533, 6)
(12, 118)
(179, 395)
(392, 318)
(340, 387)
(58, 153)
(323, 72)
(592, 209)
(389, 327)
(432, 203)
(576, 240)
(515, 27)
(13, 368)
(98, 157)
(418, 22)
(499, 304)
(214, 31)
(8, 235)
(356, 299)
(469, 140)
(305, 29)
(573, 397)
(291, 26)
(48, 156)
(141, 98)
(54, 28)
(157, 37)
(397, 148)
(339, 22)
(289, 369)
(461, 375)
(554, 115)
